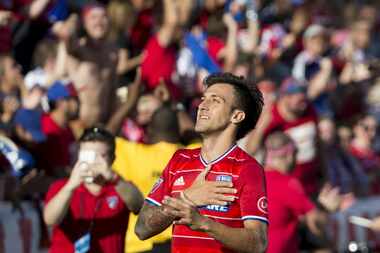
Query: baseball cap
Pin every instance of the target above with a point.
(292, 86)
(60, 90)
(314, 30)
(30, 120)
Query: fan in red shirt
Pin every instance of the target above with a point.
(195, 190)
(287, 200)
(89, 211)
(63, 106)
(293, 114)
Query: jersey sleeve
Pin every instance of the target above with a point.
(299, 201)
(162, 187)
(253, 197)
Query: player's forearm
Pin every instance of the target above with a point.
(57, 207)
(238, 239)
(151, 221)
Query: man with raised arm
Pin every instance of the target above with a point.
(215, 195)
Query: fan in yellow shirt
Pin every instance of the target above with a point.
(143, 164)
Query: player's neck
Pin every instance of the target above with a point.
(214, 146)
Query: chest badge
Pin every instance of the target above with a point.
(224, 178)
(112, 202)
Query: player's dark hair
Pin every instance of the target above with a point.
(248, 98)
(99, 134)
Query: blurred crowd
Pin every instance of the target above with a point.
(136, 68)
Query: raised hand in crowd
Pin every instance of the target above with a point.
(330, 198)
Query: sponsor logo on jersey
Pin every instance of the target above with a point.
(217, 208)
(179, 182)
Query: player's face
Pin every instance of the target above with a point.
(96, 23)
(216, 109)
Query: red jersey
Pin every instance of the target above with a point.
(234, 165)
(104, 216)
(304, 133)
(59, 144)
(287, 201)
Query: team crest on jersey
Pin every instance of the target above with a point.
(112, 202)
(157, 184)
(224, 178)
(262, 204)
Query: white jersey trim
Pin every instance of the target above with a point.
(194, 237)
(152, 201)
(205, 163)
(254, 217)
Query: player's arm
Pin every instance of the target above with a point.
(251, 238)
(131, 196)
(152, 220)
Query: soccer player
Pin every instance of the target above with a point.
(90, 210)
(215, 195)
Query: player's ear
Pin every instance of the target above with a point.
(237, 116)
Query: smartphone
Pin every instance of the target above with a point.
(87, 156)
(360, 221)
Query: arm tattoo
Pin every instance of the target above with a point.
(258, 240)
(151, 221)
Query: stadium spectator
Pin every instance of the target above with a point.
(92, 64)
(294, 115)
(60, 144)
(291, 205)
(89, 211)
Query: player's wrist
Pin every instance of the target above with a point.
(206, 225)
(185, 197)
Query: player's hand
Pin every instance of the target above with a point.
(186, 214)
(203, 192)
(330, 198)
(80, 171)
